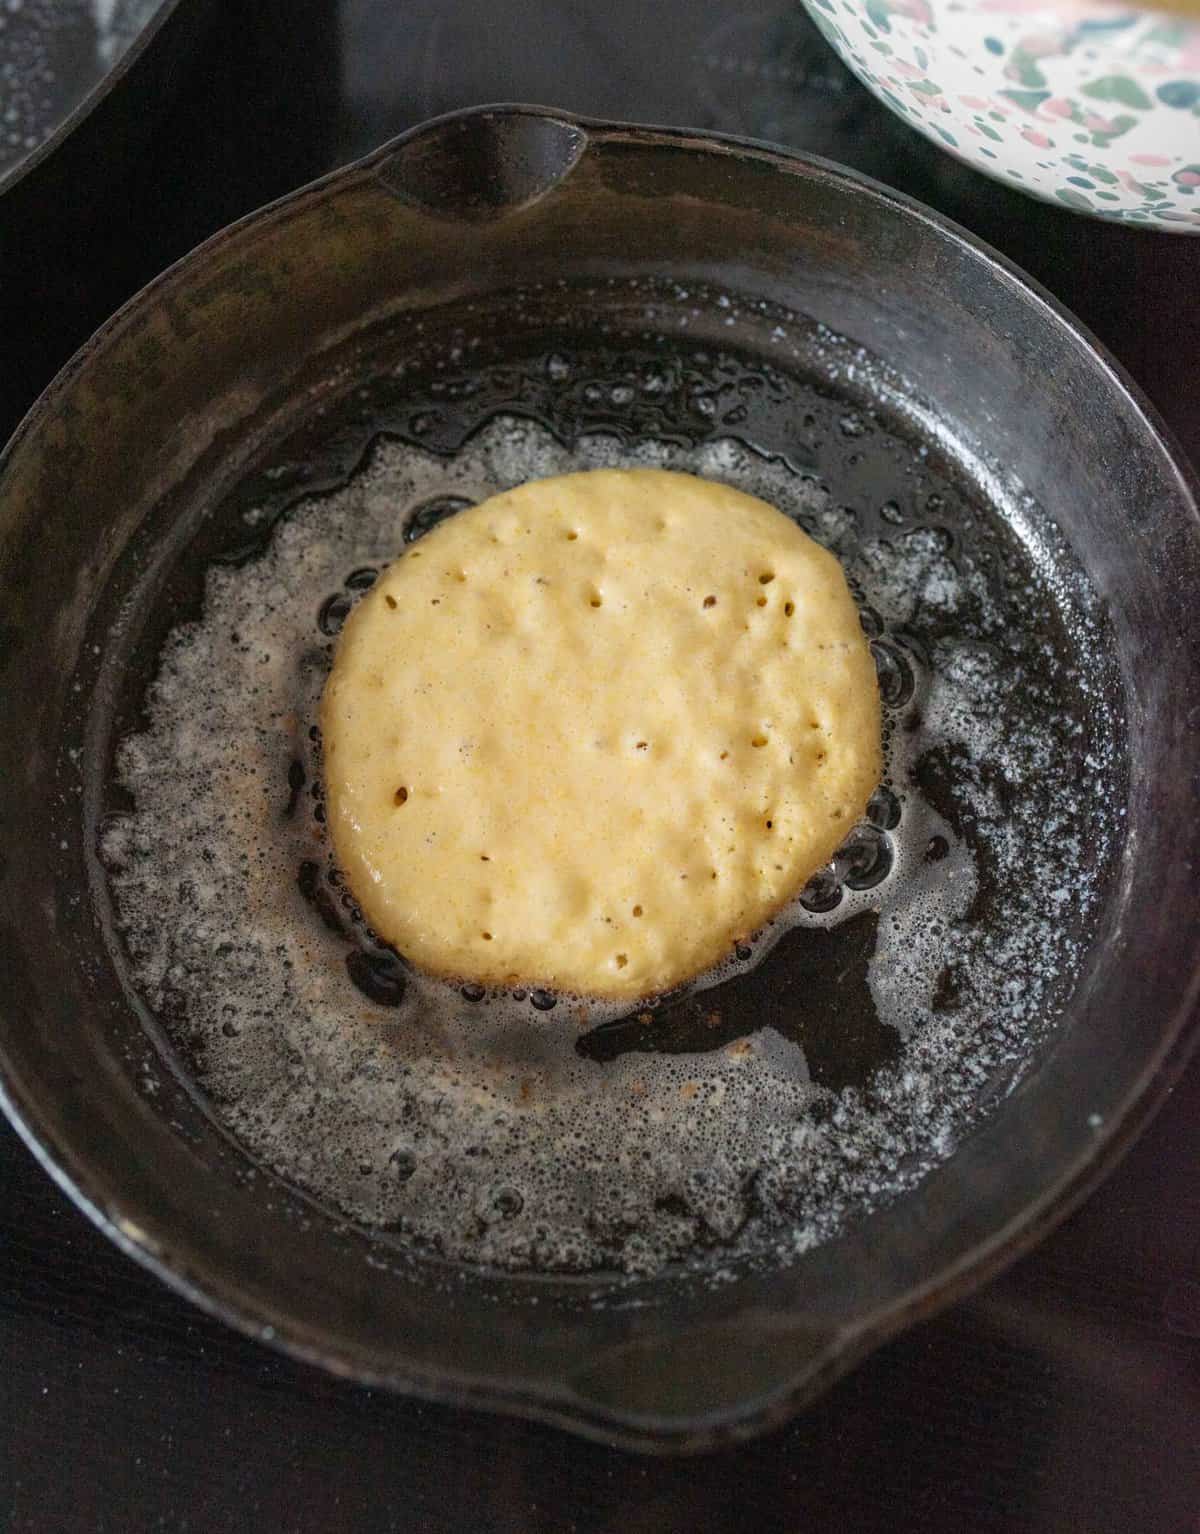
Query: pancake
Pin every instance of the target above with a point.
(591, 732)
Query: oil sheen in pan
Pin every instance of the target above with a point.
(822, 1070)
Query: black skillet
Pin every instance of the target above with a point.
(192, 387)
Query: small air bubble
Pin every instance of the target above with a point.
(334, 612)
(379, 976)
(896, 682)
(823, 892)
(883, 809)
(865, 858)
(872, 623)
(429, 513)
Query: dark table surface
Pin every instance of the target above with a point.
(1066, 1394)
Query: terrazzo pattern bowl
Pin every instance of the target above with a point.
(1083, 103)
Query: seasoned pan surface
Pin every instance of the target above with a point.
(839, 1054)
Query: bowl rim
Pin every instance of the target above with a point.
(108, 82)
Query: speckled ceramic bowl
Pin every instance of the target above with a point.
(1083, 103)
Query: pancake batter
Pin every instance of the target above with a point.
(591, 732)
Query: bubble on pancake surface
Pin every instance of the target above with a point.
(462, 1123)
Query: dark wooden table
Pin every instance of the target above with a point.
(1065, 1396)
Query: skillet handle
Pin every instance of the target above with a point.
(482, 164)
(714, 1383)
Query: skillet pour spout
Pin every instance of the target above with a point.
(487, 165)
(121, 487)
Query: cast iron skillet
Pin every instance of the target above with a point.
(114, 471)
